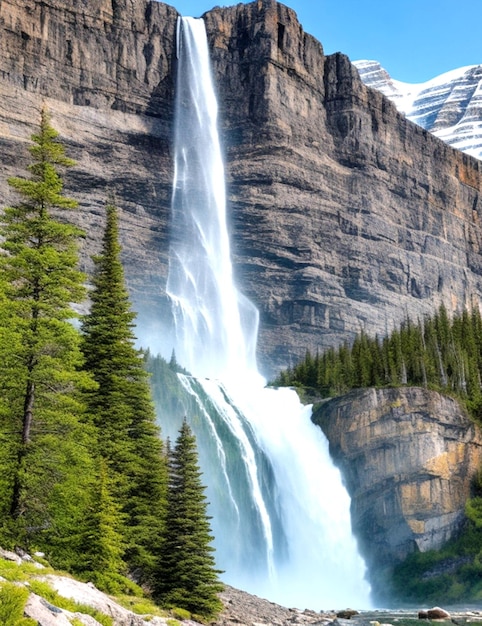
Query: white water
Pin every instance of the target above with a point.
(285, 532)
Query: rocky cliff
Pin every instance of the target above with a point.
(408, 457)
(344, 214)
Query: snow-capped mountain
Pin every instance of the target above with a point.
(449, 106)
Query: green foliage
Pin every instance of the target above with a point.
(28, 572)
(12, 603)
(181, 614)
(169, 395)
(437, 353)
(129, 440)
(113, 583)
(140, 605)
(440, 353)
(187, 577)
(11, 571)
(103, 542)
(453, 573)
(83, 471)
(45, 464)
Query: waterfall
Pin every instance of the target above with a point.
(280, 513)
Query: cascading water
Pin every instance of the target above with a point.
(280, 512)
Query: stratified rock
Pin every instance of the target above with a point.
(344, 214)
(408, 457)
(105, 71)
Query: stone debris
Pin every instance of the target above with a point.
(244, 609)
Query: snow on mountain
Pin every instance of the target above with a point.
(449, 105)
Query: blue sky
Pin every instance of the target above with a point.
(414, 40)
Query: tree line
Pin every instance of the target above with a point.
(439, 352)
(84, 474)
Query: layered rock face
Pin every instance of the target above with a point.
(408, 457)
(343, 214)
(348, 216)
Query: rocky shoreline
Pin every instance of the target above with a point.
(244, 609)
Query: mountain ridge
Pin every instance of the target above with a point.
(448, 105)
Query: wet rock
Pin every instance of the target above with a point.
(347, 613)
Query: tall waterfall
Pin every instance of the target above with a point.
(279, 510)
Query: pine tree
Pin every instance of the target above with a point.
(187, 577)
(122, 409)
(46, 462)
(101, 553)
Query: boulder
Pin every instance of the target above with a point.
(87, 593)
(48, 615)
(437, 613)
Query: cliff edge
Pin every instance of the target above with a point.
(408, 457)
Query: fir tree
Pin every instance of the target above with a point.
(46, 464)
(122, 409)
(187, 577)
(441, 352)
(102, 549)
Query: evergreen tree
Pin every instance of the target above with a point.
(187, 577)
(122, 409)
(102, 549)
(45, 462)
(441, 352)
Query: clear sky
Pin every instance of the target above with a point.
(414, 40)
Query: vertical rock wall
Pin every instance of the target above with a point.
(105, 70)
(347, 216)
(408, 457)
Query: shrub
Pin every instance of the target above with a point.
(180, 613)
(12, 603)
